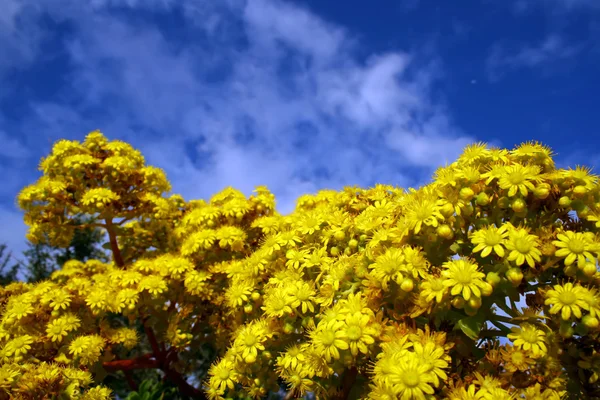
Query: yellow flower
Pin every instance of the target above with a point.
(292, 357)
(238, 293)
(277, 303)
(231, 236)
(358, 333)
(18, 310)
(223, 375)
(300, 294)
(195, 281)
(97, 393)
(592, 298)
(295, 258)
(99, 197)
(97, 300)
(523, 247)
(388, 266)
(87, 348)
(434, 288)
(469, 393)
(529, 338)
(464, 278)
(18, 346)
(516, 359)
(153, 284)
(424, 211)
(488, 239)
(328, 339)
(519, 178)
(249, 341)
(201, 240)
(410, 377)
(58, 298)
(381, 390)
(574, 246)
(57, 329)
(433, 356)
(568, 299)
(8, 373)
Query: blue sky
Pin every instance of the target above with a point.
(296, 95)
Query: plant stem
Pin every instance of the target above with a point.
(114, 245)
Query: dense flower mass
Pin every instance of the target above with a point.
(481, 285)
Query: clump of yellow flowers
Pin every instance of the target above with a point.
(483, 284)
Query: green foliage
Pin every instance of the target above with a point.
(151, 389)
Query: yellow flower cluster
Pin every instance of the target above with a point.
(382, 292)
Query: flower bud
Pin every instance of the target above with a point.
(541, 192)
(407, 285)
(334, 251)
(447, 210)
(564, 201)
(515, 276)
(579, 191)
(589, 269)
(493, 278)
(474, 302)
(487, 289)
(458, 302)
(466, 193)
(339, 235)
(445, 231)
(503, 202)
(353, 243)
(518, 205)
(590, 322)
(482, 199)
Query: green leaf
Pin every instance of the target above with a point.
(471, 326)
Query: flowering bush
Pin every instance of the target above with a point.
(483, 284)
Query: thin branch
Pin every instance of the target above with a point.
(143, 362)
(114, 246)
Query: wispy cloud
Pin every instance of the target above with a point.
(556, 6)
(553, 49)
(239, 93)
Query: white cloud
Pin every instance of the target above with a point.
(260, 92)
(553, 49)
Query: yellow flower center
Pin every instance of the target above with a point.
(515, 178)
(437, 285)
(411, 379)
(517, 357)
(463, 276)
(567, 298)
(523, 245)
(224, 374)
(294, 351)
(250, 340)
(354, 332)
(493, 238)
(423, 214)
(529, 336)
(576, 246)
(328, 338)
